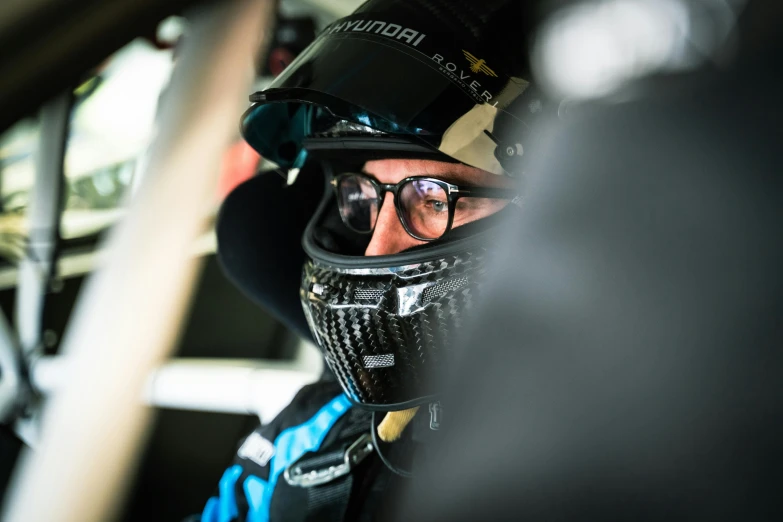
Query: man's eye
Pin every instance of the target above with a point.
(437, 205)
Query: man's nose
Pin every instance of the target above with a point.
(389, 236)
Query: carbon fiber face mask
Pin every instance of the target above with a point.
(389, 325)
(385, 331)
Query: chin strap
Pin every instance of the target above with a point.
(377, 443)
(395, 422)
(391, 429)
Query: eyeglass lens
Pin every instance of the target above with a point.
(424, 206)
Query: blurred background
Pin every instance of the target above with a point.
(111, 125)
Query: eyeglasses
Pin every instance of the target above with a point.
(428, 208)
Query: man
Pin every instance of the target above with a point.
(417, 117)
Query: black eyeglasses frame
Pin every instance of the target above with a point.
(453, 192)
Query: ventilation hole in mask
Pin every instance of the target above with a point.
(368, 295)
(378, 361)
(441, 289)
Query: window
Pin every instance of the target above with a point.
(111, 125)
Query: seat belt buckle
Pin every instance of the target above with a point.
(313, 471)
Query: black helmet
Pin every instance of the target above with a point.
(440, 79)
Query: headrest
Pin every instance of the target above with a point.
(259, 234)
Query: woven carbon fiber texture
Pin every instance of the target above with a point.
(384, 331)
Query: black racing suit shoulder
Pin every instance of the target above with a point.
(318, 423)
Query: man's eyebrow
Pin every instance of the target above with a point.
(454, 174)
(450, 177)
(474, 179)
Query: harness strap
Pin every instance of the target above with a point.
(329, 500)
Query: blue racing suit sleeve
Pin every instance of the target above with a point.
(245, 491)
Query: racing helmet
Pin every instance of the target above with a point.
(431, 79)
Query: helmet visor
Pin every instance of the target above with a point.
(454, 102)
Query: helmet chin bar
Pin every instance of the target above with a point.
(386, 332)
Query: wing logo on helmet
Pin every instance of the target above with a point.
(479, 65)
